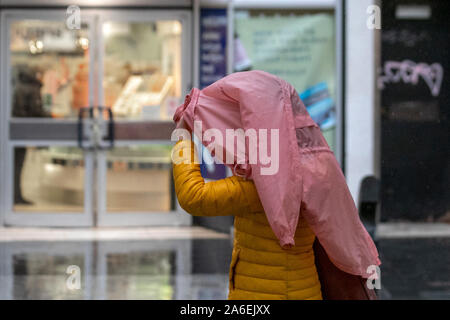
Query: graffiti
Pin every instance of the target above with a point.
(410, 72)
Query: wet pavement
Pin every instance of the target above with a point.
(150, 269)
(186, 269)
(415, 268)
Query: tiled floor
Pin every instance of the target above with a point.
(177, 263)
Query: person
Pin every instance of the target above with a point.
(260, 269)
(27, 102)
(278, 215)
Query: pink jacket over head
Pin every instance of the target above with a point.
(303, 176)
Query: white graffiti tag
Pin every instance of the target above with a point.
(409, 72)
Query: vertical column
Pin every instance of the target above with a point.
(360, 94)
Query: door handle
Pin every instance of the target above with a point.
(95, 138)
(80, 126)
(111, 125)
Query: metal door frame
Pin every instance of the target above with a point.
(178, 216)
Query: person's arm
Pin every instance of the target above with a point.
(217, 198)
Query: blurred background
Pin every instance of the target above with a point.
(87, 93)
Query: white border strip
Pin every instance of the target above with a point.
(284, 4)
(107, 234)
(412, 230)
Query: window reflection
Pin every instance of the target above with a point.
(43, 276)
(142, 68)
(49, 65)
(141, 275)
(139, 179)
(48, 179)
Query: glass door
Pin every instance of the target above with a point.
(144, 66)
(47, 76)
(140, 74)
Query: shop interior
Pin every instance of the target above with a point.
(141, 80)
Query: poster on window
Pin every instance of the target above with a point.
(298, 48)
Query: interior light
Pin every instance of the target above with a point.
(39, 45)
(84, 43)
(177, 28)
(107, 29)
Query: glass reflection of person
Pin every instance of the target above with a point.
(27, 102)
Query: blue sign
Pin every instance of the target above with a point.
(213, 45)
(213, 66)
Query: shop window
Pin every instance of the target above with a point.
(49, 69)
(298, 46)
(142, 69)
(48, 179)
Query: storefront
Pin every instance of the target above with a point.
(109, 165)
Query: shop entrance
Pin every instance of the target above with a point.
(86, 112)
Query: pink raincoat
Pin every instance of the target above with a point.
(305, 179)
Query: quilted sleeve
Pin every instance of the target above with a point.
(217, 198)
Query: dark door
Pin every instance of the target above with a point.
(415, 105)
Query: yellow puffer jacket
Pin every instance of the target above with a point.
(260, 269)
